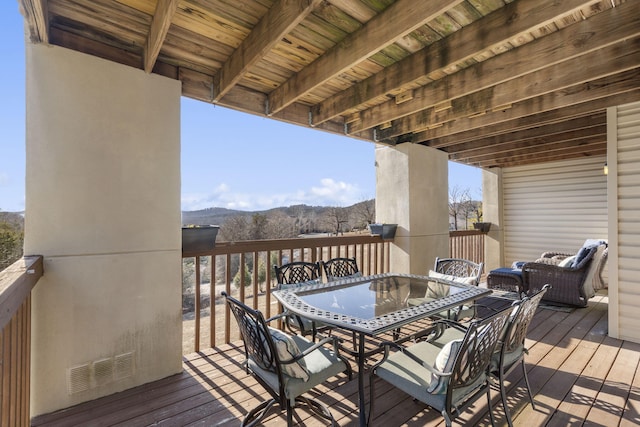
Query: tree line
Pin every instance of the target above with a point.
(11, 238)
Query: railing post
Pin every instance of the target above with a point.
(16, 284)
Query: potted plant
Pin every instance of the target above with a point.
(386, 231)
(198, 239)
(482, 226)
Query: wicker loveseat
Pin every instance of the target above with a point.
(573, 277)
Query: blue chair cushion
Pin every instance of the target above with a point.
(507, 270)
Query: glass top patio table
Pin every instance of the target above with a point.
(378, 303)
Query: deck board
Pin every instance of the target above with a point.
(578, 375)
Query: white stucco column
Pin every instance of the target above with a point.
(103, 208)
(412, 191)
(492, 209)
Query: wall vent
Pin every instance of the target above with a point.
(78, 378)
(124, 365)
(102, 372)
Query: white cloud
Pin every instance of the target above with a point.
(4, 179)
(328, 193)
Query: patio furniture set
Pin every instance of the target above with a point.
(447, 365)
(574, 278)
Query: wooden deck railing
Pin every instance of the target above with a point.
(209, 324)
(16, 283)
(222, 268)
(467, 244)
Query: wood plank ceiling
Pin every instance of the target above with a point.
(491, 82)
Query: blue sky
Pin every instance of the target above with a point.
(229, 159)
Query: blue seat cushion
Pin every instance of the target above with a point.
(506, 271)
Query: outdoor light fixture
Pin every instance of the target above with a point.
(605, 169)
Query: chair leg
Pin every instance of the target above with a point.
(371, 397)
(289, 414)
(447, 419)
(317, 408)
(258, 413)
(503, 395)
(526, 381)
(493, 421)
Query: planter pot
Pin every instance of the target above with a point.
(482, 226)
(199, 240)
(386, 231)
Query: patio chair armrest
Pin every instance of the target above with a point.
(551, 254)
(314, 347)
(284, 314)
(448, 323)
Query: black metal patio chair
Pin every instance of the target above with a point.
(287, 366)
(448, 379)
(340, 268)
(460, 268)
(511, 349)
(296, 274)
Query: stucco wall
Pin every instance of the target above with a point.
(492, 209)
(412, 191)
(103, 207)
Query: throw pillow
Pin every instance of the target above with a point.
(468, 280)
(567, 262)
(436, 290)
(444, 363)
(287, 349)
(585, 252)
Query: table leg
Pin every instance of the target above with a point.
(361, 403)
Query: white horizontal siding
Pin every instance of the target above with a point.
(553, 207)
(627, 133)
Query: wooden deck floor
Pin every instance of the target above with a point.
(578, 374)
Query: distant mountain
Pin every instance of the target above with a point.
(215, 216)
(218, 216)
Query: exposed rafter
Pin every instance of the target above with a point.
(406, 16)
(552, 107)
(496, 28)
(561, 51)
(160, 24)
(283, 16)
(35, 13)
(491, 82)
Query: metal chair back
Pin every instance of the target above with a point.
(297, 272)
(459, 268)
(336, 268)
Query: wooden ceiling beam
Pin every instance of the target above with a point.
(199, 86)
(613, 59)
(102, 50)
(493, 30)
(562, 152)
(518, 65)
(406, 16)
(36, 15)
(539, 144)
(160, 24)
(280, 20)
(577, 100)
(550, 131)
